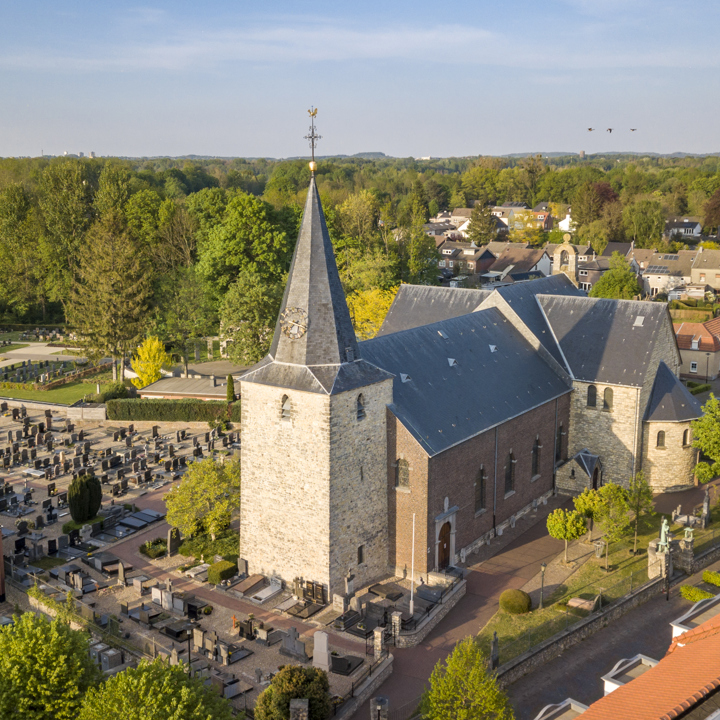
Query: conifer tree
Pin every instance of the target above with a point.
(109, 301)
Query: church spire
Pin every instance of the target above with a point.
(314, 326)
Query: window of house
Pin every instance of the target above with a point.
(686, 437)
(361, 554)
(702, 277)
(661, 439)
(402, 474)
(510, 473)
(693, 367)
(592, 396)
(450, 263)
(694, 344)
(441, 263)
(360, 407)
(286, 412)
(536, 458)
(480, 485)
(559, 443)
(586, 286)
(608, 399)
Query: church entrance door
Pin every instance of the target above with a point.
(596, 477)
(444, 549)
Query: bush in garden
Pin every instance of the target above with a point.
(220, 571)
(515, 602)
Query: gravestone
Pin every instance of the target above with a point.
(293, 647)
(52, 546)
(198, 639)
(321, 651)
(173, 541)
(121, 574)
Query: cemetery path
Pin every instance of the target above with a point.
(34, 351)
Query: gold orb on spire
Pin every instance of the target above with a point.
(313, 166)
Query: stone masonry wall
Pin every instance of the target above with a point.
(285, 509)
(358, 479)
(612, 435)
(671, 467)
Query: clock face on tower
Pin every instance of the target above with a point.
(294, 322)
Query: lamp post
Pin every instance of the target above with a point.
(707, 362)
(542, 583)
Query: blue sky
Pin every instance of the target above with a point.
(405, 78)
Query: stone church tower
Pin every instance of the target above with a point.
(314, 433)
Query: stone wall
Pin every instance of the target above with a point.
(613, 434)
(367, 689)
(671, 467)
(313, 487)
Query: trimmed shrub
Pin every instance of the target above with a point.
(515, 602)
(172, 410)
(84, 498)
(711, 577)
(114, 391)
(233, 558)
(230, 389)
(700, 389)
(220, 571)
(207, 610)
(693, 594)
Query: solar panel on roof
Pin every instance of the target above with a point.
(671, 257)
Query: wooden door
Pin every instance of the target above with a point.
(444, 549)
(596, 478)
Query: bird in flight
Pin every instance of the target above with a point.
(590, 129)
(609, 130)
(633, 129)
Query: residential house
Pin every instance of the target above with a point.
(464, 258)
(590, 271)
(506, 215)
(699, 345)
(542, 207)
(667, 271)
(706, 269)
(543, 219)
(641, 258)
(618, 247)
(515, 205)
(460, 216)
(514, 264)
(438, 229)
(683, 227)
(497, 247)
(566, 224)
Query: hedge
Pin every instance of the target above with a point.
(172, 410)
(220, 571)
(700, 389)
(693, 594)
(515, 602)
(711, 577)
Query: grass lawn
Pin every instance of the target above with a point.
(14, 346)
(64, 395)
(47, 563)
(517, 633)
(226, 544)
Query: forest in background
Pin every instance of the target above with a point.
(121, 248)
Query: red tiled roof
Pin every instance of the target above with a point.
(688, 673)
(705, 333)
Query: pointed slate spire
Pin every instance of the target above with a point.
(314, 326)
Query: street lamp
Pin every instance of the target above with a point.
(542, 583)
(707, 361)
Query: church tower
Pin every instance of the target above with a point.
(314, 433)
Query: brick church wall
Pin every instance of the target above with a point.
(671, 467)
(452, 474)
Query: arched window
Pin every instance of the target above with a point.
(686, 437)
(661, 439)
(360, 407)
(402, 474)
(559, 443)
(592, 396)
(563, 258)
(509, 473)
(608, 399)
(480, 483)
(286, 413)
(536, 458)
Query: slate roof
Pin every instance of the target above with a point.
(416, 305)
(670, 400)
(496, 247)
(707, 260)
(604, 340)
(431, 404)
(685, 678)
(522, 297)
(587, 461)
(325, 359)
(522, 259)
(599, 264)
(618, 247)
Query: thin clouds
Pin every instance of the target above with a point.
(297, 41)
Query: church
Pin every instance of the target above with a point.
(466, 410)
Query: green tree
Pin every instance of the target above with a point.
(612, 515)
(457, 199)
(142, 211)
(706, 437)
(640, 501)
(45, 669)
(419, 252)
(154, 691)
(566, 525)
(359, 217)
(250, 237)
(66, 203)
(149, 361)
(231, 389)
(294, 681)
(109, 299)
(462, 688)
(113, 190)
(644, 222)
(711, 219)
(483, 227)
(368, 309)
(587, 505)
(248, 314)
(619, 282)
(206, 498)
